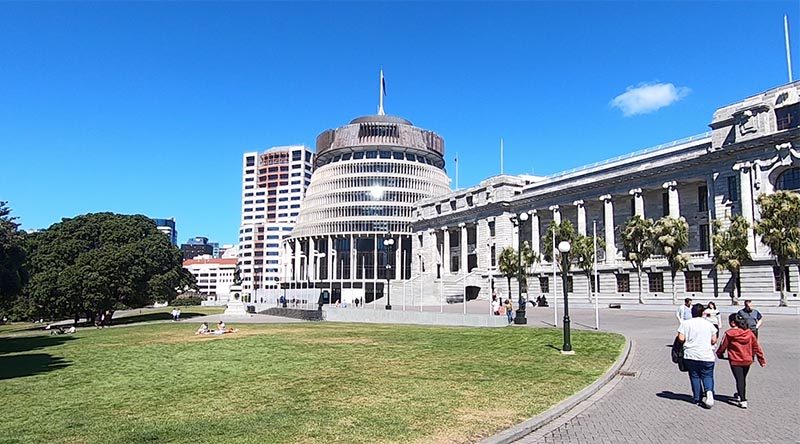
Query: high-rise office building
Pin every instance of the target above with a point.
(167, 226)
(273, 185)
(197, 246)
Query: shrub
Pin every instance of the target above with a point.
(186, 301)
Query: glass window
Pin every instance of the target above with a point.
(702, 198)
(776, 272)
(704, 243)
(789, 180)
(544, 284)
(656, 282)
(733, 189)
(694, 282)
(623, 283)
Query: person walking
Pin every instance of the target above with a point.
(684, 311)
(742, 345)
(711, 314)
(751, 316)
(495, 306)
(509, 310)
(698, 337)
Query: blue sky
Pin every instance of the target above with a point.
(147, 107)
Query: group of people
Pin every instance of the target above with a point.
(176, 314)
(221, 329)
(503, 309)
(698, 333)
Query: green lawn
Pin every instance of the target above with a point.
(307, 383)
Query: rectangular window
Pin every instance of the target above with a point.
(665, 203)
(491, 228)
(704, 244)
(623, 283)
(494, 257)
(777, 275)
(656, 282)
(702, 198)
(633, 205)
(569, 285)
(544, 284)
(694, 282)
(733, 189)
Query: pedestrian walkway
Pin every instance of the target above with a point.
(654, 406)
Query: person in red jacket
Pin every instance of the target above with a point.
(742, 345)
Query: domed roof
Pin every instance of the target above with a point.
(382, 118)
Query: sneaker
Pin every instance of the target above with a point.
(743, 404)
(709, 399)
(736, 397)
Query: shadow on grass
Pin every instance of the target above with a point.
(17, 366)
(149, 317)
(29, 343)
(554, 347)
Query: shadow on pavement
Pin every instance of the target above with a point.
(676, 396)
(29, 343)
(17, 366)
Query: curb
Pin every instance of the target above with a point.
(526, 427)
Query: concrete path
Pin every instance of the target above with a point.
(655, 405)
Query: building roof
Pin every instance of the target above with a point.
(382, 118)
(218, 261)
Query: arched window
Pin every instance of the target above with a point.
(789, 180)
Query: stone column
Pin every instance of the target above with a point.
(312, 270)
(353, 262)
(535, 232)
(445, 251)
(746, 200)
(608, 225)
(433, 248)
(638, 202)
(463, 265)
(581, 217)
(296, 273)
(398, 257)
(556, 214)
(375, 258)
(331, 260)
(674, 203)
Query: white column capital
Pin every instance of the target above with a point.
(444, 228)
(635, 191)
(533, 212)
(462, 225)
(606, 198)
(785, 145)
(742, 166)
(670, 184)
(553, 208)
(578, 203)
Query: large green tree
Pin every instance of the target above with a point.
(583, 251)
(730, 251)
(637, 245)
(671, 236)
(12, 257)
(510, 265)
(564, 231)
(779, 228)
(98, 262)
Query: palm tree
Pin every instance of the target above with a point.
(637, 245)
(509, 265)
(583, 250)
(670, 236)
(564, 231)
(730, 251)
(779, 228)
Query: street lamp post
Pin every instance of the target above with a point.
(520, 318)
(564, 248)
(388, 242)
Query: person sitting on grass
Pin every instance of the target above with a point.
(203, 330)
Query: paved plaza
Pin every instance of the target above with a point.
(654, 406)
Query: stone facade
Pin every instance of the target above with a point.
(752, 149)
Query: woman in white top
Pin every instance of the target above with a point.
(711, 314)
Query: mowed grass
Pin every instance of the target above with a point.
(287, 383)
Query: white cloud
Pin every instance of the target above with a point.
(648, 97)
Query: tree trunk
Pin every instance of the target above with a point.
(782, 272)
(674, 292)
(509, 288)
(639, 278)
(737, 287)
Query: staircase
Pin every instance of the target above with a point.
(294, 313)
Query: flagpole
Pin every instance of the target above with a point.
(380, 95)
(501, 156)
(788, 51)
(456, 170)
